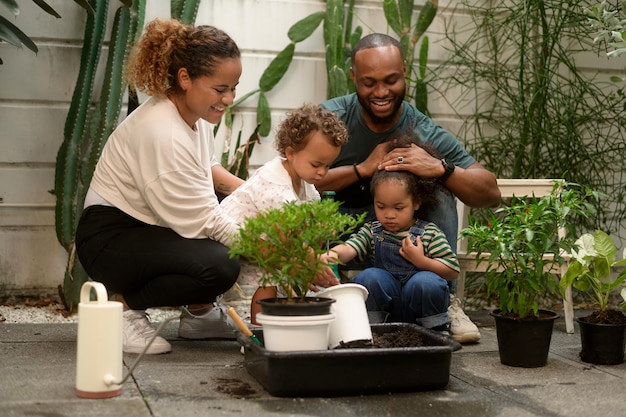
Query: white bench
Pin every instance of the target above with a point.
(467, 261)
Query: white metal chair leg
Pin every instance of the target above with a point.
(568, 309)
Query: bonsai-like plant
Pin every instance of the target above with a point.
(590, 272)
(286, 242)
(522, 247)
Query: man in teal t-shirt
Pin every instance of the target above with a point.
(373, 115)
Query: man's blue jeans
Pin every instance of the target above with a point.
(423, 299)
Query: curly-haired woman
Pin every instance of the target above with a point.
(152, 230)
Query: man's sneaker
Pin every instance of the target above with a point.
(462, 329)
(214, 324)
(444, 329)
(137, 332)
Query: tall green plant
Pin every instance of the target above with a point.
(184, 10)
(339, 39)
(399, 14)
(88, 127)
(535, 113)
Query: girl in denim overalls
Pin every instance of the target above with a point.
(412, 258)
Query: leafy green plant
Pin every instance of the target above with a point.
(14, 36)
(609, 23)
(523, 247)
(286, 242)
(534, 110)
(590, 272)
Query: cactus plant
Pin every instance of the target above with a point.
(339, 40)
(87, 128)
(398, 14)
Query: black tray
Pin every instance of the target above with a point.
(353, 371)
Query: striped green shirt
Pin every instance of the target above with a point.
(436, 245)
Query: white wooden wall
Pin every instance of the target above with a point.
(35, 91)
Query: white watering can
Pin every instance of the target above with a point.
(99, 344)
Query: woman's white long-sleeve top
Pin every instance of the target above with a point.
(157, 169)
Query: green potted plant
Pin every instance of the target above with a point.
(523, 244)
(286, 243)
(602, 331)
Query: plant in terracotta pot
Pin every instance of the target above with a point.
(523, 245)
(286, 243)
(602, 332)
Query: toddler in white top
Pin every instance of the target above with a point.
(308, 141)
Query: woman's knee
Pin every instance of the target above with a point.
(228, 270)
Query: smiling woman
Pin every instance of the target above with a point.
(152, 230)
(207, 96)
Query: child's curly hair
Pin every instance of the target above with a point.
(422, 190)
(296, 129)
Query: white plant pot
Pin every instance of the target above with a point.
(291, 333)
(352, 323)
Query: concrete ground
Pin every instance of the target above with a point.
(207, 378)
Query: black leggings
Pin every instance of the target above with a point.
(151, 266)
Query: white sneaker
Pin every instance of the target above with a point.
(461, 327)
(137, 332)
(214, 324)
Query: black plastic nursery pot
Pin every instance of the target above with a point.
(525, 342)
(282, 306)
(353, 371)
(602, 344)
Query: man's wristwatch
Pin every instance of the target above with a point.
(449, 167)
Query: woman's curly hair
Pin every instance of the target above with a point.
(422, 190)
(167, 46)
(296, 129)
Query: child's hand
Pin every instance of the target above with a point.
(329, 257)
(326, 278)
(413, 253)
(325, 257)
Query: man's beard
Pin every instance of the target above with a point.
(366, 105)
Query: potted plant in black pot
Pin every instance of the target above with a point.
(523, 245)
(286, 243)
(601, 332)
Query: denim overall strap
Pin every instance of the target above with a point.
(387, 253)
(418, 228)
